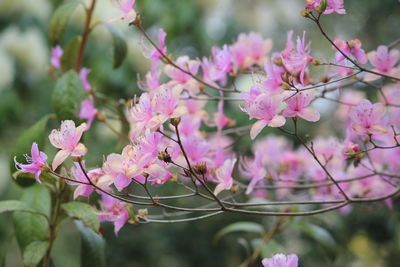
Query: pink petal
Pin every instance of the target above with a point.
(277, 121)
(60, 157)
(309, 114)
(257, 128)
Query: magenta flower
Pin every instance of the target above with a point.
(224, 176)
(367, 118)
(126, 7)
(141, 114)
(351, 48)
(281, 260)
(264, 108)
(36, 162)
(56, 53)
(184, 80)
(254, 170)
(67, 139)
(83, 76)
(84, 190)
(296, 60)
(113, 211)
(298, 105)
(88, 111)
(383, 61)
(332, 6)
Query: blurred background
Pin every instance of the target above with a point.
(368, 236)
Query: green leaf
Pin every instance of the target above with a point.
(14, 205)
(317, 233)
(67, 96)
(36, 133)
(120, 48)
(249, 227)
(93, 247)
(31, 227)
(270, 248)
(60, 18)
(83, 212)
(34, 253)
(70, 54)
(322, 7)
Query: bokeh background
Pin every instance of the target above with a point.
(368, 236)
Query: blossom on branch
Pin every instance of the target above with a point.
(36, 162)
(281, 260)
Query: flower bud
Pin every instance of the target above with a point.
(235, 188)
(322, 7)
(100, 116)
(200, 168)
(164, 156)
(315, 62)
(285, 86)
(143, 212)
(175, 121)
(278, 62)
(305, 13)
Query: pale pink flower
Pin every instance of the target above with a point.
(158, 174)
(274, 81)
(298, 105)
(83, 76)
(84, 190)
(351, 48)
(332, 6)
(156, 54)
(383, 61)
(296, 60)
(113, 211)
(253, 169)
(217, 68)
(184, 80)
(36, 162)
(264, 108)
(67, 139)
(281, 260)
(152, 81)
(224, 176)
(88, 111)
(189, 125)
(126, 7)
(56, 54)
(367, 118)
(140, 114)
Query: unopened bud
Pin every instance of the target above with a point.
(175, 121)
(321, 8)
(325, 79)
(100, 116)
(143, 212)
(200, 168)
(235, 188)
(305, 13)
(174, 178)
(278, 62)
(164, 156)
(285, 77)
(77, 159)
(137, 21)
(285, 86)
(315, 62)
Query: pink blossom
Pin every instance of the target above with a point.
(224, 176)
(274, 81)
(113, 211)
(332, 6)
(264, 108)
(83, 75)
(152, 81)
(182, 79)
(126, 7)
(67, 139)
(298, 105)
(154, 54)
(140, 114)
(250, 49)
(36, 162)
(84, 190)
(56, 53)
(254, 170)
(383, 61)
(88, 111)
(216, 69)
(367, 118)
(189, 125)
(281, 260)
(351, 48)
(296, 60)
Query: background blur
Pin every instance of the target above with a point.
(367, 236)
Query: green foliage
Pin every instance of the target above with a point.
(120, 48)
(319, 234)
(67, 96)
(70, 54)
(249, 227)
(14, 205)
(93, 247)
(60, 18)
(34, 253)
(36, 133)
(30, 227)
(83, 212)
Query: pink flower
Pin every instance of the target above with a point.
(156, 55)
(298, 105)
(67, 139)
(224, 176)
(281, 260)
(351, 48)
(36, 162)
(88, 111)
(84, 190)
(383, 61)
(184, 80)
(367, 118)
(332, 6)
(254, 170)
(113, 211)
(126, 7)
(296, 60)
(264, 108)
(152, 81)
(83, 75)
(56, 53)
(216, 69)
(141, 114)
(274, 80)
